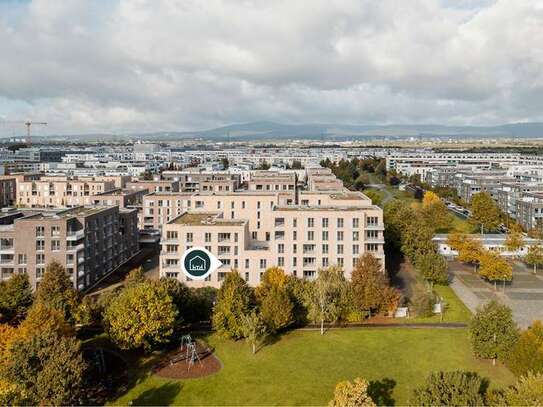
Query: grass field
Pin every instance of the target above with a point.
(302, 368)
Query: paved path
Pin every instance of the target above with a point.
(524, 295)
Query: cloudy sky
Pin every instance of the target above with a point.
(145, 65)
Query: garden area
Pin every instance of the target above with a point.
(302, 368)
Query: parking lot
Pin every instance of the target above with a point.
(524, 295)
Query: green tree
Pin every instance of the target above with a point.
(15, 296)
(450, 389)
(350, 394)
(234, 300)
(435, 214)
(528, 391)
(527, 354)
(277, 309)
(495, 268)
(398, 216)
(181, 297)
(492, 331)
(368, 281)
(56, 290)
(253, 329)
(142, 315)
(534, 256)
(484, 211)
(374, 196)
(329, 296)
(135, 276)
(433, 268)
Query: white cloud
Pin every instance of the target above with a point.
(180, 64)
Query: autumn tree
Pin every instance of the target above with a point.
(492, 331)
(514, 241)
(253, 329)
(368, 282)
(56, 290)
(495, 267)
(273, 277)
(234, 300)
(353, 393)
(430, 198)
(534, 256)
(484, 211)
(469, 250)
(143, 315)
(528, 391)
(277, 309)
(450, 389)
(329, 296)
(135, 276)
(433, 268)
(527, 354)
(434, 211)
(15, 296)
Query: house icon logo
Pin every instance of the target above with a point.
(197, 263)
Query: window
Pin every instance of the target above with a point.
(325, 262)
(262, 263)
(171, 235)
(294, 235)
(340, 222)
(339, 249)
(355, 222)
(40, 231)
(246, 264)
(310, 222)
(280, 248)
(310, 235)
(55, 230)
(324, 222)
(356, 249)
(372, 221)
(189, 237)
(208, 237)
(356, 236)
(294, 222)
(55, 245)
(246, 276)
(372, 247)
(281, 261)
(372, 234)
(294, 248)
(242, 204)
(324, 249)
(340, 236)
(21, 259)
(294, 261)
(340, 261)
(40, 258)
(325, 235)
(40, 244)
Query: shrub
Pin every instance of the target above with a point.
(450, 389)
(422, 303)
(527, 354)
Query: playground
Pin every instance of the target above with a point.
(191, 360)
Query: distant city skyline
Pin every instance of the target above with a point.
(142, 66)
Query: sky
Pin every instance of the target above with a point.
(120, 66)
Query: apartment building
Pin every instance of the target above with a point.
(8, 191)
(123, 198)
(50, 192)
(474, 184)
(508, 193)
(250, 232)
(154, 185)
(529, 211)
(272, 181)
(322, 179)
(90, 242)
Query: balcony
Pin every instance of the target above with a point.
(76, 248)
(74, 235)
(7, 249)
(375, 227)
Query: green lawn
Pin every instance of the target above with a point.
(302, 368)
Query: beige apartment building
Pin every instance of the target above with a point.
(272, 181)
(90, 242)
(51, 192)
(251, 231)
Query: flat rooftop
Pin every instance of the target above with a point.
(205, 219)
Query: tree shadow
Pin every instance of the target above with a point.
(159, 396)
(381, 391)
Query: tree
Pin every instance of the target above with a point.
(514, 241)
(43, 318)
(494, 267)
(450, 389)
(534, 256)
(484, 211)
(374, 196)
(234, 300)
(277, 309)
(492, 331)
(368, 281)
(46, 369)
(527, 354)
(15, 296)
(469, 250)
(135, 276)
(329, 295)
(225, 163)
(181, 297)
(253, 328)
(56, 290)
(417, 239)
(273, 277)
(423, 303)
(350, 394)
(143, 315)
(433, 268)
(434, 213)
(430, 198)
(528, 391)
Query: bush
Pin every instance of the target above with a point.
(353, 393)
(422, 304)
(451, 389)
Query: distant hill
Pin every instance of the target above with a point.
(265, 130)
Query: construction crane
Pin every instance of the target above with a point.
(28, 124)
